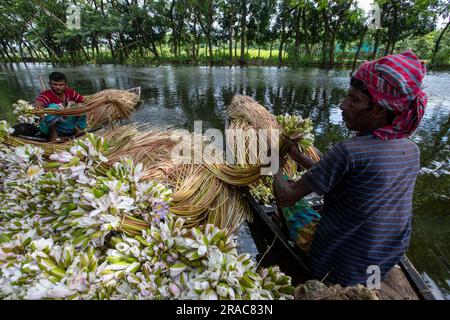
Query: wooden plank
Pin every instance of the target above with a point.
(419, 285)
(396, 286)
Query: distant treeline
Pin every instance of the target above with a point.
(228, 31)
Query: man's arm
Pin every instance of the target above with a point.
(287, 193)
(39, 104)
(299, 157)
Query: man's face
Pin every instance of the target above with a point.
(356, 111)
(58, 86)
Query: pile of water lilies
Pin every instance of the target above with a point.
(74, 228)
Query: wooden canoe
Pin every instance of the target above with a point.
(402, 283)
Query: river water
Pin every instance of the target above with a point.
(177, 96)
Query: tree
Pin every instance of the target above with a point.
(444, 12)
(205, 14)
(284, 25)
(243, 25)
(405, 18)
(228, 22)
(333, 13)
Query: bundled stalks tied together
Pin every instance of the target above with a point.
(49, 148)
(101, 108)
(151, 147)
(245, 109)
(229, 209)
(204, 188)
(199, 196)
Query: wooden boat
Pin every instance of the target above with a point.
(403, 281)
(32, 138)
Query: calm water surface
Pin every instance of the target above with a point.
(176, 96)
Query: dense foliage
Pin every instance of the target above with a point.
(232, 31)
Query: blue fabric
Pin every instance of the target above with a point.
(63, 126)
(368, 186)
(301, 221)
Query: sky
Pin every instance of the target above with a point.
(365, 5)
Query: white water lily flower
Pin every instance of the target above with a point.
(202, 250)
(76, 171)
(174, 290)
(135, 252)
(209, 294)
(42, 244)
(123, 247)
(222, 290)
(117, 186)
(101, 204)
(13, 273)
(86, 221)
(24, 110)
(177, 269)
(21, 153)
(110, 222)
(123, 202)
(5, 129)
(78, 151)
(34, 171)
(88, 196)
(63, 157)
(59, 290)
(39, 290)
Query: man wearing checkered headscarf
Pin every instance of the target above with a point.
(367, 181)
(395, 83)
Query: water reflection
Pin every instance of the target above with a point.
(176, 96)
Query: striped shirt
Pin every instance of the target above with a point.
(368, 187)
(48, 96)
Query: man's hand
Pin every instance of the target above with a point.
(281, 187)
(288, 192)
(296, 155)
(294, 151)
(39, 106)
(282, 190)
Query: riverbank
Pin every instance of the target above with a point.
(216, 61)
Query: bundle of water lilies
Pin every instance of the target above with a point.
(262, 192)
(74, 229)
(5, 130)
(296, 128)
(24, 112)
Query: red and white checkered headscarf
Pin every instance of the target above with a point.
(395, 83)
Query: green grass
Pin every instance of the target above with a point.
(221, 57)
